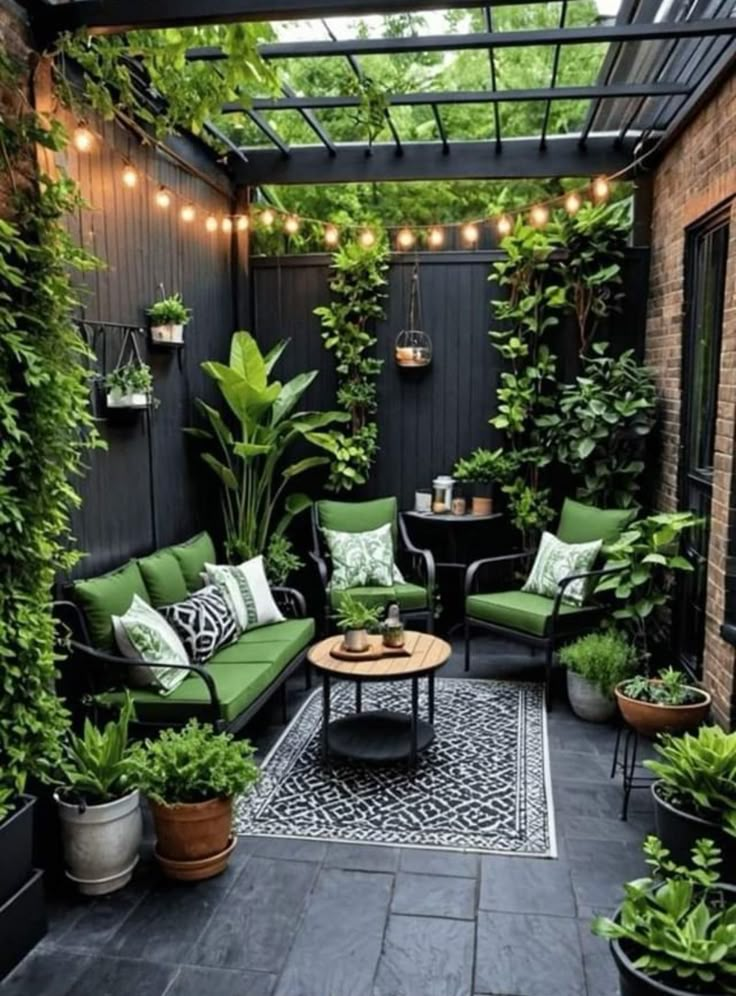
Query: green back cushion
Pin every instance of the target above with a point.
(106, 596)
(192, 557)
(357, 516)
(583, 523)
(163, 577)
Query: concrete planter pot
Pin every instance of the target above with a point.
(587, 700)
(679, 831)
(16, 848)
(355, 640)
(101, 843)
(194, 840)
(167, 333)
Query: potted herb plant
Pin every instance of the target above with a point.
(190, 777)
(168, 318)
(695, 793)
(595, 664)
(662, 704)
(482, 469)
(355, 618)
(99, 806)
(675, 932)
(129, 386)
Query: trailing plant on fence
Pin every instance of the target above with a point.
(358, 287)
(600, 425)
(46, 429)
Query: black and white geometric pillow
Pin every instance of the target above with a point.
(204, 623)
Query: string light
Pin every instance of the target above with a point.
(367, 238)
(291, 225)
(163, 198)
(504, 226)
(601, 188)
(539, 215)
(211, 223)
(242, 223)
(129, 176)
(267, 217)
(470, 233)
(332, 236)
(435, 238)
(83, 138)
(188, 213)
(405, 239)
(227, 225)
(572, 202)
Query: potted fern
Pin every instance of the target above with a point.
(129, 386)
(99, 806)
(355, 618)
(168, 318)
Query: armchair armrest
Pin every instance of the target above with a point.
(324, 574)
(290, 601)
(423, 558)
(563, 583)
(506, 558)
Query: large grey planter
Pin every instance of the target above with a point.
(101, 843)
(587, 700)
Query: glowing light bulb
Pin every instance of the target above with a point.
(601, 188)
(129, 176)
(243, 223)
(83, 138)
(572, 203)
(504, 226)
(539, 215)
(211, 223)
(227, 225)
(291, 225)
(405, 238)
(188, 213)
(332, 236)
(367, 238)
(163, 198)
(267, 217)
(470, 233)
(436, 237)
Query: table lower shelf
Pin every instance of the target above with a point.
(377, 737)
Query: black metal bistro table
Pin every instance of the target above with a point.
(380, 736)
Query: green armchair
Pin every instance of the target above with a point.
(415, 596)
(536, 620)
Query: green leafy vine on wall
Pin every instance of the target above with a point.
(47, 427)
(358, 286)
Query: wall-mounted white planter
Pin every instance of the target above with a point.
(167, 333)
(136, 399)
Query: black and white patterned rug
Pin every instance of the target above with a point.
(483, 785)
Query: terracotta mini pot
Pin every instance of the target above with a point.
(651, 718)
(189, 833)
(482, 505)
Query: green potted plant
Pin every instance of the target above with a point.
(129, 386)
(695, 793)
(595, 664)
(168, 318)
(355, 618)
(190, 777)
(662, 704)
(99, 806)
(483, 468)
(675, 932)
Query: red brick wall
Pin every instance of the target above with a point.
(697, 174)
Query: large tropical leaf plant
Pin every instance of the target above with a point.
(249, 458)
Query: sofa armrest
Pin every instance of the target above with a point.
(474, 569)
(291, 602)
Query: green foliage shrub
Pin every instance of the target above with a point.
(605, 658)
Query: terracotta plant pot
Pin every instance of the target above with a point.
(194, 834)
(482, 505)
(651, 718)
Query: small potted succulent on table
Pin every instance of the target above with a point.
(662, 704)
(675, 932)
(129, 386)
(355, 618)
(168, 318)
(99, 806)
(482, 469)
(695, 793)
(190, 777)
(595, 664)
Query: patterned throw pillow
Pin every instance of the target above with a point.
(554, 561)
(204, 621)
(142, 634)
(247, 591)
(360, 559)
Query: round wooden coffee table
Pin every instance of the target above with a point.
(380, 736)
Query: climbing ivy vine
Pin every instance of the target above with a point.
(46, 429)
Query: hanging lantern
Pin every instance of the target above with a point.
(413, 347)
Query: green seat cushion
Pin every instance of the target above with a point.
(409, 596)
(106, 596)
(357, 516)
(278, 644)
(583, 523)
(523, 611)
(192, 557)
(164, 579)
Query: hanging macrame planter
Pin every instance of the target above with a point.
(413, 347)
(130, 384)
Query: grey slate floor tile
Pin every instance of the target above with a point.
(362, 857)
(434, 895)
(423, 956)
(515, 885)
(123, 977)
(428, 862)
(45, 973)
(192, 981)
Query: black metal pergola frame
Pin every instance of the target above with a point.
(661, 66)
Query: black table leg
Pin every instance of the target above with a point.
(358, 696)
(414, 718)
(430, 696)
(325, 714)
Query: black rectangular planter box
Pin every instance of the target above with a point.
(16, 848)
(22, 923)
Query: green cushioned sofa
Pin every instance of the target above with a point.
(226, 691)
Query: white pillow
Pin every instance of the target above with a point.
(554, 561)
(247, 590)
(360, 559)
(142, 634)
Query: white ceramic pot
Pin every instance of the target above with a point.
(588, 701)
(101, 843)
(167, 333)
(356, 639)
(136, 399)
